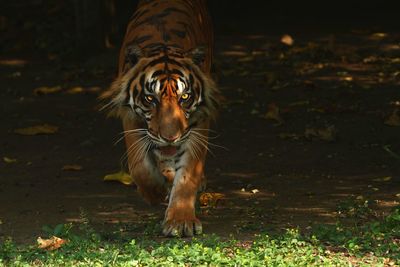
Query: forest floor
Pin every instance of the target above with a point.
(310, 130)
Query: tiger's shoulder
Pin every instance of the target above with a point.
(177, 24)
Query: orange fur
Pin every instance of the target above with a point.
(166, 134)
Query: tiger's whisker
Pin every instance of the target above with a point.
(204, 129)
(208, 142)
(131, 148)
(200, 134)
(129, 132)
(110, 105)
(193, 149)
(204, 144)
(134, 130)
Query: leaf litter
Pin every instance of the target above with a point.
(325, 134)
(45, 90)
(37, 129)
(9, 160)
(50, 244)
(72, 167)
(121, 177)
(393, 119)
(273, 113)
(287, 40)
(210, 199)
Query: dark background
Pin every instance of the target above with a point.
(76, 26)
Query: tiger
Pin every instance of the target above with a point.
(166, 99)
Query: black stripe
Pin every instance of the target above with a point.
(178, 168)
(163, 59)
(180, 34)
(177, 72)
(138, 14)
(135, 93)
(142, 81)
(166, 37)
(142, 39)
(157, 73)
(191, 79)
(192, 125)
(128, 88)
(180, 154)
(173, 9)
(184, 24)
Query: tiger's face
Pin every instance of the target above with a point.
(166, 95)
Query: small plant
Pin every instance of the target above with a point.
(356, 207)
(381, 237)
(60, 230)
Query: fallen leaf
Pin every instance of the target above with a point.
(210, 199)
(273, 113)
(287, 40)
(346, 78)
(45, 90)
(234, 53)
(93, 89)
(37, 129)
(290, 136)
(9, 160)
(75, 90)
(318, 110)
(246, 59)
(254, 111)
(271, 78)
(383, 179)
(73, 167)
(299, 103)
(121, 176)
(394, 118)
(12, 62)
(50, 244)
(378, 36)
(325, 134)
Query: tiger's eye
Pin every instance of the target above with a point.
(185, 96)
(149, 98)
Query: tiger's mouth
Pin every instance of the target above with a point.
(168, 151)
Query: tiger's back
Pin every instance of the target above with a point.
(181, 24)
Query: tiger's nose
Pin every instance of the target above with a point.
(171, 137)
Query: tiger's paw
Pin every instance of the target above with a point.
(180, 228)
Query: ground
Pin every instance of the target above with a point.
(305, 128)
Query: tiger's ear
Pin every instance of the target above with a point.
(198, 55)
(132, 54)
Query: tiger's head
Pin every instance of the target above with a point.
(166, 93)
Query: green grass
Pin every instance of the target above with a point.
(375, 243)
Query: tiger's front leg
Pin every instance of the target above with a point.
(180, 218)
(149, 181)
